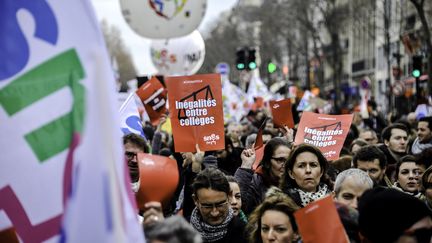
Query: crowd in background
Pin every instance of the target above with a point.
(381, 184)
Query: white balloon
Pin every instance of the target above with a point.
(178, 56)
(159, 19)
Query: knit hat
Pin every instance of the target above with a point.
(210, 161)
(386, 213)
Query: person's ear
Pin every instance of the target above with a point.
(333, 194)
(290, 174)
(386, 142)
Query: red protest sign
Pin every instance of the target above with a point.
(282, 113)
(319, 222)
(327, 132)
(196, 112)
(259, 146)
(153, 95)
(159, 177)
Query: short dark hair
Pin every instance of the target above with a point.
(386, 133)
(136, 140)
(405, 159)
(427, 119)
(370, 153)
(288, 182)
(211, 178)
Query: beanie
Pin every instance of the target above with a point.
(210, 161)
(384, 214)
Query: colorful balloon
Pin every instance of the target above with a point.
(178, 56)
(160, 19)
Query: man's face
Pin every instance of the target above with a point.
(350, 191)
(234, 132)
(423, 132)
(398, 141)
(373, 169)
(369, 137)
(131, 151)
(212, 205)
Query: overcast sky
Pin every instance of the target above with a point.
(139, 46)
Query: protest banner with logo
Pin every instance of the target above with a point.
(159, 177)
(327, 132)
(319, 222)
(62, 176)
(282, 113)
(130, 119)
(153, 95)
(195, 104)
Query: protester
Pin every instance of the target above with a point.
(172, 230)
(134, 144)
(234, 133)
(235, 198)
(253, 185)
(395, 138)
(356, 144)
(212, 216)
(408, 173)
(304, 177)
(427, 187)
(369, 136)
(273, 220)
(228, 159)
(389, 215)
(350, 185)
(372, 160)
(424, 135)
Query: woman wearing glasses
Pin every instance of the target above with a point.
(254, 184)
(212, 216)
(304, 178)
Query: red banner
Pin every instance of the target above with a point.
(327, 132)
(282, 113)
(153, 95)
(196, 111)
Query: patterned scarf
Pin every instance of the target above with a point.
(418, 147)
(308, 197)
(210, 233)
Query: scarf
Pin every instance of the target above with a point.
(210, 233)
(308, 197)
(417, 194)
(417, 147)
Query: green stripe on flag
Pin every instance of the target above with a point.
(64, 70)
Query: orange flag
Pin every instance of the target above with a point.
(196, 111)
(282, 113)
(159, 177)
(153, 95)
(319, 222)
(327, 132)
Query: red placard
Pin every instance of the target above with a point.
(196, 112)
(327, 132)
(319, 222)
(282, 113)
(153, 95)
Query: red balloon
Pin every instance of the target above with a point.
(159, 178)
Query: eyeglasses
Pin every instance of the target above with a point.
(422, 234)
(210, 206)
(130, 155)
(280, 160)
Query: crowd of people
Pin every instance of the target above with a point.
(381, 184)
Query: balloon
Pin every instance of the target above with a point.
(179, 56)
(159, 177)
(159, 19)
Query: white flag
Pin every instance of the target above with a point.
(130, 121)
(60, 144)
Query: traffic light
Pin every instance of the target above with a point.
(417, 63)
(241, 59)
(251, 60)
(271, 67)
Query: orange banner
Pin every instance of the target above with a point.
(159, 177)
(327, 132)
(319, 222)
(196, 111)
(153, 95)
(259, 146)
(282, 113)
